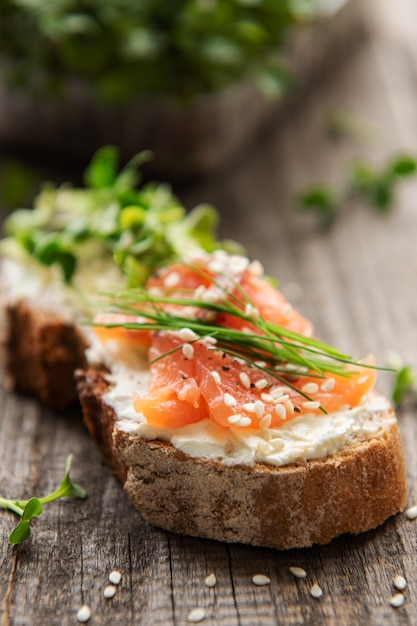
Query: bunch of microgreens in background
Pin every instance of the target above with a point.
(28, 509)
(177, 48)
(369, 185)
(139, 228)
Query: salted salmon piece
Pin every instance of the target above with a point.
(118, 333)
(235, 394)
(249, 292)
(162, 407)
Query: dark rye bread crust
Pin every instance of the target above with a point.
(288, 507)
(41, 353)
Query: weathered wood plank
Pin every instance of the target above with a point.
(357, 283)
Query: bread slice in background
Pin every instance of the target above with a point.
(292, 506)
(41, 351)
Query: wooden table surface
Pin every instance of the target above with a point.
(357, 282)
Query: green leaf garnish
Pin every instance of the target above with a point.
(22, 531)
(28, 509)
(136, 228)
(405, 384)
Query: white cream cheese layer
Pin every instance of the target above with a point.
(25, 279)
(303, 438)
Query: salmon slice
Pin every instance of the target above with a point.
(192, 380)
(249, 292)
(139, 338)
(232, 393)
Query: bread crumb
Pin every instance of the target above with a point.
(298, 572)
(196, 615)
(260, 580)
(211, 580)
(84, 613)
(397, 600)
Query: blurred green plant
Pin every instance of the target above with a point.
(179, 48)
(139, 228)
(404, 386)
(373, 186)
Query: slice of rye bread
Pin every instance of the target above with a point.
(41, 351)
(285, 507)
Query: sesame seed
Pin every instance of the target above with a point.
(245, 421)
(400, 582)
(328, 384)
(397, 600)
(234, 419)
(289, 406)
(265, 421)
(251, 312)
(261, 383)
(211, 580)
(210, 340)
(199, 291)
(311, 405)
(186, 334)
(244, 379)
(260, 580)
(216, 377)
(187, 350)
(266, 397)
(109, 591)
(362, 380)
(229, 400)
(277, 392)
(196, 615)
(115, 577)
(316, 591)
(238, 360)
(256, 268)
(310, 388)
(411, 513)
(260, 363)
(298, 572)
(249, 407)
(282, 398)
(84, 613)
(259, 408)
(281, 411)
(172, 279)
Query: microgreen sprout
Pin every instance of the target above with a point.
(127, 226)
(373, 186)
(28, 509)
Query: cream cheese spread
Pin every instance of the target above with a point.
(303, 438)
(24, 278)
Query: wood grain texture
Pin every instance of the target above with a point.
(357, 282)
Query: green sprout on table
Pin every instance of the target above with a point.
(28, 509)
(373, 186)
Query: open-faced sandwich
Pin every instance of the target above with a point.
(226, 418)
(74, 244)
